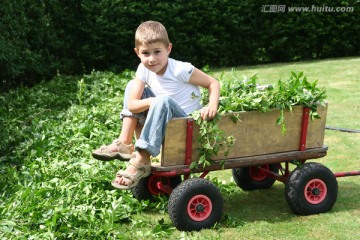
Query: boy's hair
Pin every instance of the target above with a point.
(151, 32)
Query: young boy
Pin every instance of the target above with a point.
(162, 89)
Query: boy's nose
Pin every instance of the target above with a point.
(152, 58)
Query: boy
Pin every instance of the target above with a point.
(163, 89)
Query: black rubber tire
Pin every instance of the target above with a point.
(182, 200)
(311, 189)
(243, 178)
(142, 191)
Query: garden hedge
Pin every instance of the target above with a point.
(41, 38)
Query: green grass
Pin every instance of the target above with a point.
(52, 188)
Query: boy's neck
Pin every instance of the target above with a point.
(163, 70)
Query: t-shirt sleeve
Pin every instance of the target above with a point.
(183, 71)
(141, 73)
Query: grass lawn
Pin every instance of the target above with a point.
(51, 188)
(265, 214)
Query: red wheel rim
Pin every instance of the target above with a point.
(199, 208)
(152, 184)
(256, 175)
(315, 191)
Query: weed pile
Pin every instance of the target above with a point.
(51, 187)
(238, 95)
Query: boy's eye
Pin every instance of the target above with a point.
(157, 51)
(145, 53)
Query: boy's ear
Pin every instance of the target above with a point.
(169, 48)
(136, 51)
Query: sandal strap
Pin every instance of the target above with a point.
(128, 178)
(104, 149)
(121, 147)
(119, 173)
(138, 166)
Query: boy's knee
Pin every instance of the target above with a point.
(163, 101)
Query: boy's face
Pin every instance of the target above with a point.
(154, 56)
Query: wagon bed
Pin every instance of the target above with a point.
(256, 133)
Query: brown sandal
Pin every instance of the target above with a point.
(132, 180)
(124, 152)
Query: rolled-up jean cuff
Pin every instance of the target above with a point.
(140, 116)
(141, 144)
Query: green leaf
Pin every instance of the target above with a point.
(54, 180)
(7, 223)
(193, 165)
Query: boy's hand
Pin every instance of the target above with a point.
(208, 113)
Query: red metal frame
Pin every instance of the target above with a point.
(302, 147)
(189, 136)
(347, 174)
(189, 142)
(164, 188)
(304, 128)
(279, 177)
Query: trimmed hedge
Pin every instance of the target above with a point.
(40, 38)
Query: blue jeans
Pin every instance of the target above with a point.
(162, 109)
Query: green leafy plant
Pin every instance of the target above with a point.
(247, 95)
(211, 139)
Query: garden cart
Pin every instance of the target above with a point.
(260, 155)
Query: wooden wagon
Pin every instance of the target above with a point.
(260, 156)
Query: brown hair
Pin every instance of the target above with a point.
(150, 32)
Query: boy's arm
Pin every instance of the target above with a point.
(136, 104)
(202, 79)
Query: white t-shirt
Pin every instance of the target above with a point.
(174, 83)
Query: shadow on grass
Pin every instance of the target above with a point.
(260, 205)
(271, 206)
(348, 194)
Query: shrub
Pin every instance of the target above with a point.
(41, 38)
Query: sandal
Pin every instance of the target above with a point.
(124, 152)
(132, 180)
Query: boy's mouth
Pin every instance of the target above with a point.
(153, 65)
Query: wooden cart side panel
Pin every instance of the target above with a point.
(174, 144)
(316, 129)
(256, 134)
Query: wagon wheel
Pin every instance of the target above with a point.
(147, 187)
(311, 188)
(195, 204)
(250, 178)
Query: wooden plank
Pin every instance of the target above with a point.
(273, 158)
(256, 134)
